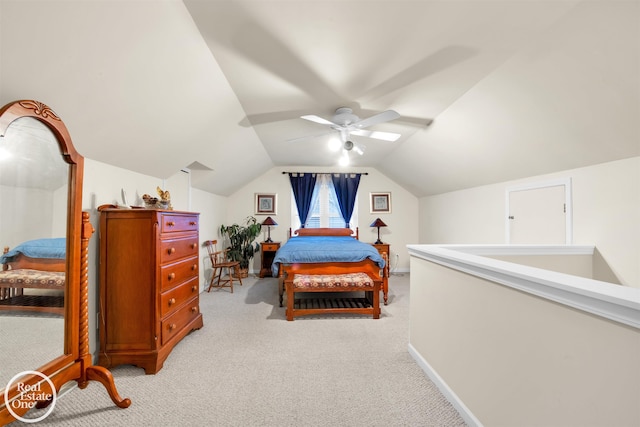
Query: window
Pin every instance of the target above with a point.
(325, 211)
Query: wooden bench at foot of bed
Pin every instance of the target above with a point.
(13, 283)
(38, 277)
(323, 283)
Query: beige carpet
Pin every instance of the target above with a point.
(248, 366)
(35, 337)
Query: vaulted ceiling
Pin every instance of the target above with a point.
(487, 91)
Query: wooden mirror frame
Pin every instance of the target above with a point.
(76, 362)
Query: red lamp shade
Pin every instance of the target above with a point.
(269, 222)
(378, 223)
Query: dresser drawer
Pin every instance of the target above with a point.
(270, 247)
(172, 223)
(178, 320)
(173, 249)
(174, 298)
(382, 248)
(172, 275)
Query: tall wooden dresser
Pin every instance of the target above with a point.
(149, 284)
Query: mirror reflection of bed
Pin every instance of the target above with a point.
(33, 212)
(33, 276)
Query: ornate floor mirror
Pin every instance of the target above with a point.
(44, 318)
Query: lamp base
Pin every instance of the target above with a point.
(378, 242)
(268, 240)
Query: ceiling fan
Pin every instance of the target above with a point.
(347, 123)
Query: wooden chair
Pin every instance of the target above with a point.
(221, 265)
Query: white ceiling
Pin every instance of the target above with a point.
(511, 89)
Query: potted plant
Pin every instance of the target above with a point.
(242, 245)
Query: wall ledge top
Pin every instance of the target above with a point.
(614, 302)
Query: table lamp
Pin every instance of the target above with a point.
(378, 223)
(269, 222)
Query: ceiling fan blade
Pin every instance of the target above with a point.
(270, 117)
(259, 45)
(318, 120)
(446, 57)
(304, 138)
(385, 136)
(385, 116)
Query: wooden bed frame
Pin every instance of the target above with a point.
(287, 274)
(337, 232)
(17, 275)
(325, 232)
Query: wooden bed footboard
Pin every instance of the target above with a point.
(336, 268)
(325, 232)
(32, 273)
(318, 278)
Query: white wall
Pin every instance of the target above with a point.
(512, 358)
(29, 215)
(213, 213)
(606, 212)
(402, 222)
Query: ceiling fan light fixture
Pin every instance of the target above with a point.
(344, 159)
(348, 145)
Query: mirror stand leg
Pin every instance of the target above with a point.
(103, 376)
(44, 403)
(91, 372)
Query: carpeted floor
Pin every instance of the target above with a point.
(39, 335)
(248, 366)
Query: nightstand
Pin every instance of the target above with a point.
(267, 253)
(384, 248)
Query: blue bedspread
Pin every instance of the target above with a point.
(39, 248)
(314, 249)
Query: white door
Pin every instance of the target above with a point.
(538, 215)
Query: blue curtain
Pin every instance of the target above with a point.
(346, 186)
(302, 186)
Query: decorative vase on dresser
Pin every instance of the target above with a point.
(149, 284)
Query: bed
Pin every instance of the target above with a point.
(33, 276)
(328, 260)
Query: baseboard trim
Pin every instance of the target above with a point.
(449, 394)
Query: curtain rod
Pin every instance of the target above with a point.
(361, 173)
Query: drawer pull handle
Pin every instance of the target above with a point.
(171, 251)
(172, 301)
(194, 245)
(170, 223)
(194, 309)
(194, 288)
(172, 326)
(172, 276)
(194, 267)
(193, 223)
